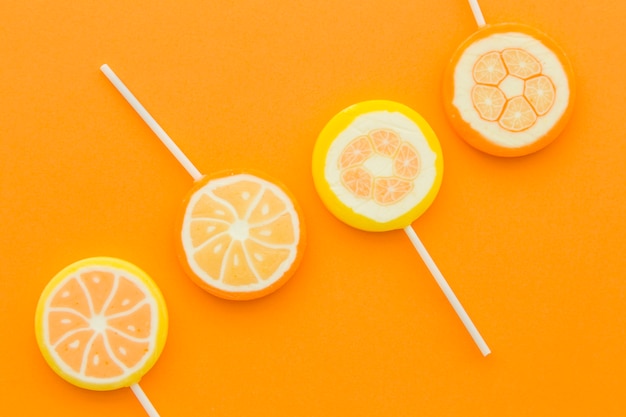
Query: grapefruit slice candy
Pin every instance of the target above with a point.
(101, 323)
(241, 235)
(394, 176)
(509, 90)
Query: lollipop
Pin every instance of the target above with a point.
(377, 166)
(241, 235)
(101, 323)
(508, 89)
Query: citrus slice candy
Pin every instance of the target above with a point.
(509, 90)
(540, 93)
(489, 101)
(520, 63)
(396, 175)
(101, 323)
(358, 180)
(518, 115)
(489, 69)
(356, 152)
(241, 235)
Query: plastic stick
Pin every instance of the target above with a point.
(144, 400)
(478, 14)
(441, 281)
(156, 128)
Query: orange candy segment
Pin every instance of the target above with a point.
(489, 101)
(396, 175)
(509, 90)
(101, 323)
(385, 141)
(540, 92)
(391, 190)
(518, 115)
(241, 234)
(404, 159)
(489, 69)
(520, 63)
(358, 180)
(406, 164)
(356, 152)
(401, 155)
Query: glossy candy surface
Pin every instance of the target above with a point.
(509, 90)
(241, 235)
(101, 323)
(377, 165)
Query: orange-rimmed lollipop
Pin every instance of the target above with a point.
(101, 324)
(377, 166)
(241, 233)
(508, 89)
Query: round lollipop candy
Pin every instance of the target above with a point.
(508, 89)
(377, 166)
(101, 324)
(241, 233)
(241, 236)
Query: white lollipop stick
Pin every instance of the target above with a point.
(144, 400)
(478, 14)
(441, 281)
(156, 128)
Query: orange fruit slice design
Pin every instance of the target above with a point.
(359, 181)
(385, 141)
(406, 163)
(401, 155)
(521, 63)
(518, 115)
(241, 235)
(489, 69)
(509, 90)
(377, 165)
(356, 152)
(101, 323)
(489, 101)
(391, 190)
(514, 114)
(540, 93)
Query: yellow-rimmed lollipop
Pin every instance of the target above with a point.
(101, 324)
(377, 166)
(241, 232)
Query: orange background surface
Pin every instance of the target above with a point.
(533, 247)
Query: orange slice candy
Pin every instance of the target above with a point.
(377, 165)
(101, 323)
(509, 90)
(241, 235)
